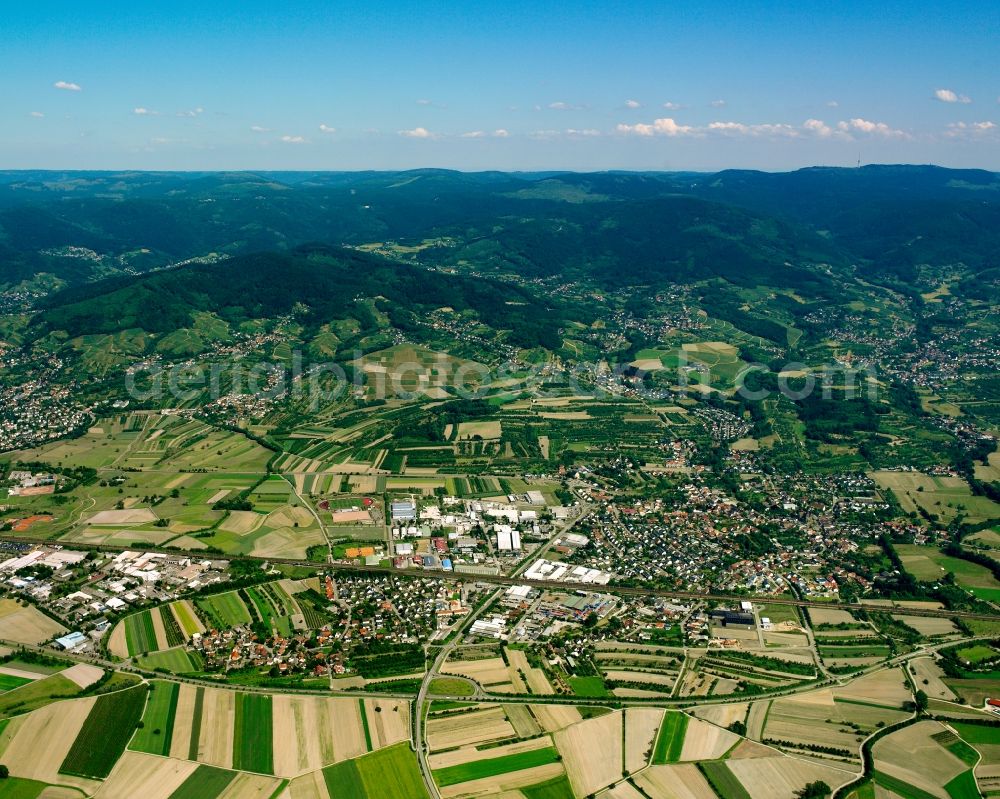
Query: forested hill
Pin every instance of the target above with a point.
(633, 227)
(319, 283)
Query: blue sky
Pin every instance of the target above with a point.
(485, 85)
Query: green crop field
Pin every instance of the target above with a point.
(186, 618)
(977, 733)
(477, 769)
(388, 772)
(158, 720)
(105, 733)
(588, 686)
(139, 634)
(175, 636)
(252, 739)
(206, 782)
(722, 780)
(18, 788)
(8, 682)
(224, 610)
(903, 789)
(556, 788)
(670, 741)
(176, 661)
(37, 694)
(963, 786)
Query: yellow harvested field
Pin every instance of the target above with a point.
(830, 616)
(218, 716)
(147, 776)
(641, 726)
(537, 681)
(468, 754)
(218, 496)
(250, 786)
(83, 674)
(782, 777)
(746, 749)
(484, 430)
(242, 522)
(756, 718)
(723, 715)
(312, 732)
(180, 743)
(928, 625)
(489, 671)
(43, 739)
(911, 755)
(623, 790)
(158, 630)
(289, 516)
(887, 687)
(110, 518)
(388, 721)
(592, 753)
(117, 644)
(26, 625)
(928, 675)
(674, 782)
(705, 741)
(556, 717)
(287, 543)
(504, 782)
(648, 677)
(309, 786)
(460, 729)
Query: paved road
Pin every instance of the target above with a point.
(418, 706)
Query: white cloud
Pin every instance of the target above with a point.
(741, 129)
(259, 129)
(326, 129)
(948, 96)
(36, 114)
(717, 103)
(473, 134)
(659, 127)
(588, 132)
(673, 106)
(832, 104)
(818, 127)
(67, 86)
(958, 129)
(633, 104)
(423, 101)
(293, 139)
(416, 133)
(501, 133)
(144, 112)
(192, 112)
(872, 128)
(559, 105)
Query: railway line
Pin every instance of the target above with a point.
(503, 580)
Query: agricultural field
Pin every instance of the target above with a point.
(929, 564)
(941, 498)
(391, 771)
(923, 756)
(105, 733)
(222, 611)
(25, 624)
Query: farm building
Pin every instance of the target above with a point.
(736, 619)
(404, 511)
